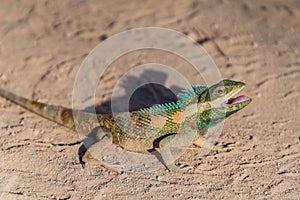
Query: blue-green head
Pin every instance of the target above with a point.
(218, 102)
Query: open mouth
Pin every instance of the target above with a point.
(236, 100)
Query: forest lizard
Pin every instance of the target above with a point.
(161, 127)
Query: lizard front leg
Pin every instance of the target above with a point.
(178, 141)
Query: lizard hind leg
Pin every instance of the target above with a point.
(173, 146)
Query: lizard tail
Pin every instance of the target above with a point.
(61, 115)
(57, 114)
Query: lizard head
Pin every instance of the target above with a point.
(218, 102)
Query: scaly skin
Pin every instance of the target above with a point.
(164, 126)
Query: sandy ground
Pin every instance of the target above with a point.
(43, 43)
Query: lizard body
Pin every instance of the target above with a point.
(180, 123)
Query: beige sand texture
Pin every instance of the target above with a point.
(43, 43)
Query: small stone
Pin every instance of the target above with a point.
(258, 94)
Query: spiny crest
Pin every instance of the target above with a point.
(188, 96)
(185, 98)
(161, 108)
(199, 88)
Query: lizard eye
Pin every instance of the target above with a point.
(220, 91)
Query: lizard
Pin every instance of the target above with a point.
(160, 127)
